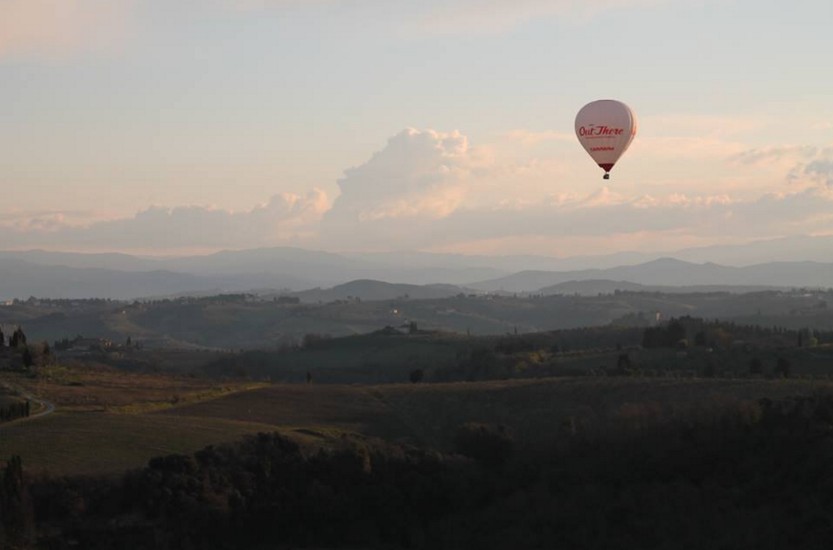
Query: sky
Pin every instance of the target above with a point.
(184, 126)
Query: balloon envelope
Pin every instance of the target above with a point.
(605, 128)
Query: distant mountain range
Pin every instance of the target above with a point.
(285, 269)
(669, 272)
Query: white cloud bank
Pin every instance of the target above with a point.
(286, 219)
(431, 190)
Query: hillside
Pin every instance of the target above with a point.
(245, 321)
(366, 289)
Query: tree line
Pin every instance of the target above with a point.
(31, 355)
(13, 411)
(750, 474)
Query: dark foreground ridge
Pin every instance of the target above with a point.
(746, 474)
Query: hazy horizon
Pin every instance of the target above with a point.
(174, 128)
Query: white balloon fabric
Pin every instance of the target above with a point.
(605, 128)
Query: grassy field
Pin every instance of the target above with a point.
(354, 408)
(104, 443)
(536, 410)
(101, 424)
(102, 388)
(124, 419)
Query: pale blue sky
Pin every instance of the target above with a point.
(252, 106)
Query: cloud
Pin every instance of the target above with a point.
(770, 155)
(432, 190)
(56, 29)
(286, 218)
(821, 170)
(421, 192)
(803, 164)
(420, 175)
(429, 190)
(607, 215)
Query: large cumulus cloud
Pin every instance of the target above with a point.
(420, 191)
(418, 178)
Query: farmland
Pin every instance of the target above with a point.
(481, 426)
(84, 440)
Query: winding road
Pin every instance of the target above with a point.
(47, 407)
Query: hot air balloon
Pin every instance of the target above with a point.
(605, 128)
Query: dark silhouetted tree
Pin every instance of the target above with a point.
(783, 367)
(674, 333)
(28, 357)
(18, 338)
(623, 363)
(756, 366)
(416, 376)
(15, 516)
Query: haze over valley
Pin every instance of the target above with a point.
(122, 276)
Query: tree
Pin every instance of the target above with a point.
(783, 367)
(674, 333)
(416, 376)
(28, 357)
(18, 338)
(2, 338)
(15, 515)
(756, 366)
(623, 364)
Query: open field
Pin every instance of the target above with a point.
(82, 441)
(98, 426)
(85, 387)
(104, 443)
(354, 408)
(536, 410)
